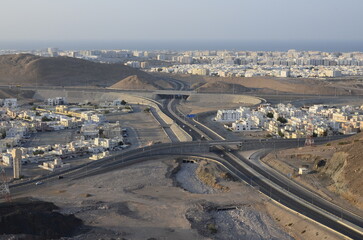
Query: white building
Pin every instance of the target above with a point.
(56, 101)
(242, 125)
(333, 73)
(98, 118)
(303, 170)
(98, 156)
(285, 73)
(133, 64)
(112, 130)
(8, 159)
(200, 71)
(89, 131)
(55, 165)
(232, 115)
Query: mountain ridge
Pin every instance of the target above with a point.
(30, 70)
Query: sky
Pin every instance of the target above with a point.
(153, 20)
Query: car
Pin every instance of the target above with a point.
(60, 177)
(39, 183)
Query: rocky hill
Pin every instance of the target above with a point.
(336, 167)
(30, 70)
(135, 82)
(345, 168)
(221, 87)
(28, 218)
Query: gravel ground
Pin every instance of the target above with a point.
(188, 180)
(246, 223)
(142, 201)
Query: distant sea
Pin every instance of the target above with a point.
(145, 45)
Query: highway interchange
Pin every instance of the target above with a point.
(209, 144)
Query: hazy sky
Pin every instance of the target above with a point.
(68, 20)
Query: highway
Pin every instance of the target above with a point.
(272, 185)
(275, 191)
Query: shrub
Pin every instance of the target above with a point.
(212, 228)
(46, 119)
(282, 120)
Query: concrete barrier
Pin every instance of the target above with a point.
(182, 135)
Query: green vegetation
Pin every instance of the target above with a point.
(270, 115)
(282, 120)
(46, 119)
(3, 134)
(343, 143)
(212, 228)
(123, 102)
(281, 134)
(38, 152)
(147, 110)
(100, 133)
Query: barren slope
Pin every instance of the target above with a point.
(222, 87)
(338, 167)
(26, 69)
(273, 85)
(135, 82)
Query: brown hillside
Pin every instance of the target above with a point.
(222, 87)
(345, 169)
(273, 85)
(26, 69)
(341, 173)
(134, 82)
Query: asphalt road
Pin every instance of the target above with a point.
(232, 164)
(235, 164)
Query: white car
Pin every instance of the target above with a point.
(38, 183)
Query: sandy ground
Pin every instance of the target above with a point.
(162, 199)
(209, 102)
(145, 126)
(51, 138)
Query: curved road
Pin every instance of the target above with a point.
(304, 202)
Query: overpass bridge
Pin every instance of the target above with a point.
(175, 92)
(251, 144)
(160, 93)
